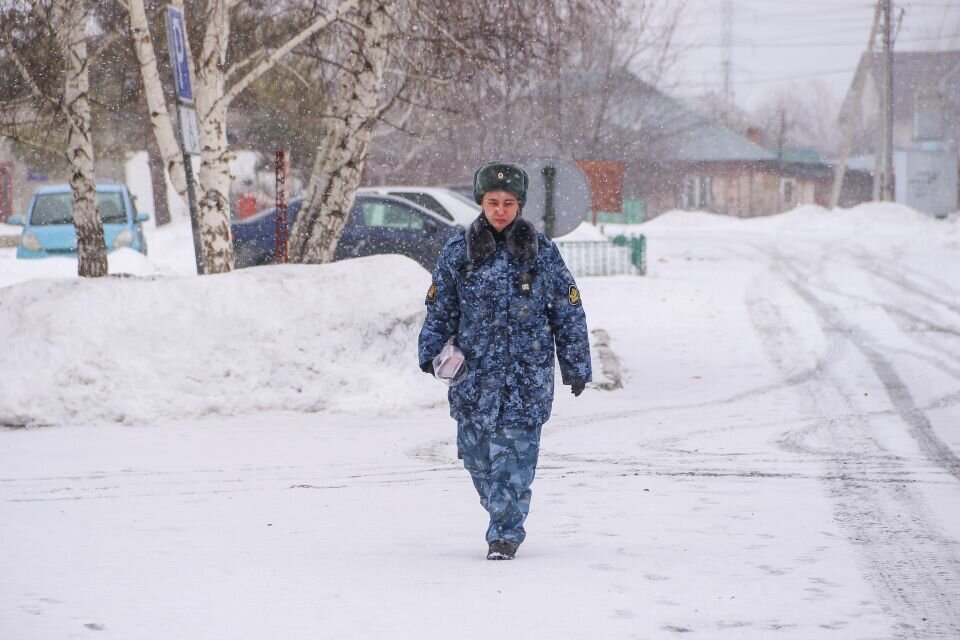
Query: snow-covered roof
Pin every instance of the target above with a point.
(711, 142)
(682, 134)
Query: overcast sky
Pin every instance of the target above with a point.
(778, 42)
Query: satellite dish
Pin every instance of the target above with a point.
(558, 198)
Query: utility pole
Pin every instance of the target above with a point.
(851, 110)
(726, 46)
(782, 136)
(886, 183)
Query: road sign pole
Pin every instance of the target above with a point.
(282, 167)
(186, 118)
(549, 212)
(191, 199)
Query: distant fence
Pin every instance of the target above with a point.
(622, 255)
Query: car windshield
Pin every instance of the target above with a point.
(57, 208)
(391, 216)
(459, 196)
(425, 200)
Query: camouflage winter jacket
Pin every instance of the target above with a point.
(507, 299)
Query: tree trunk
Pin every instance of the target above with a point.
(163, 131)
(214, 196)
(158, 180)
(71, 34)
(343, 153)
(212, 103)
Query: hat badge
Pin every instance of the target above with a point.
(500, 175)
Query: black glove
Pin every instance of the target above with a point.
(427, 367)
(576, 387)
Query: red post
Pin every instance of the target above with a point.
(282, 167)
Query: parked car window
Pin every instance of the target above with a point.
(111, 207)
(54, 208)
(57, 208)
(424, 200)
(391, 216)
(469, 200)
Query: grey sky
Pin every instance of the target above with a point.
(782, 42)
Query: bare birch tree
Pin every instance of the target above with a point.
(217, 85)
(384, 56)
(474, 56)
(31, 82)
(807, 112)
(67, 21)
(340, 161)
(72, 34)
(160, 121)
(566, 83)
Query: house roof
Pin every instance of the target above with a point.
(801, 156)
(682, 134)
(917, 71)
(707, 141)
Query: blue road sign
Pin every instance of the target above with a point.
(177, 45)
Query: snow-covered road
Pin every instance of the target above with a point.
(781, 462)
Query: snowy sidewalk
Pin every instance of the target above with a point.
(296, 527)
(781, 461)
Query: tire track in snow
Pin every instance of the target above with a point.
(920, 427)
(882, 270)
(920, 328)
(913, 566)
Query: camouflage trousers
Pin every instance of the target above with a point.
(502, 464)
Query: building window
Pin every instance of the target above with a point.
(689, 193)
(788, 187)
(697, 192)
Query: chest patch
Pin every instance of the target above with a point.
(525, 283)
(574, 295)
(432, 292)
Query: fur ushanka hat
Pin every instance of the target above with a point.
(500, 176)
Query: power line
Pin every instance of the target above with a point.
(711, 19)
(778, 45)
(816, 14)
(851, 30)
(806, 76)
(832, 5)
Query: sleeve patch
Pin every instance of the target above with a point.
(432, 292)
(574, 295)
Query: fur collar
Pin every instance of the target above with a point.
(520, 237)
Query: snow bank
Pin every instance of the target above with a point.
(867, 218)
(339, 337)
(584, 232)
(122, 261)
(10, 229)
(162, 344)
(679, 219)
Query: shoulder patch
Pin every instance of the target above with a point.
(574, 295)
(432, 292)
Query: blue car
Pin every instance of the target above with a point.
(377, 224)
(48, 226)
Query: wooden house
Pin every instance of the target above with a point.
(673, 157)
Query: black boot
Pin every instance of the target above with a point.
(501, 550)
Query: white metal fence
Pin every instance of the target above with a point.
(599, 258)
